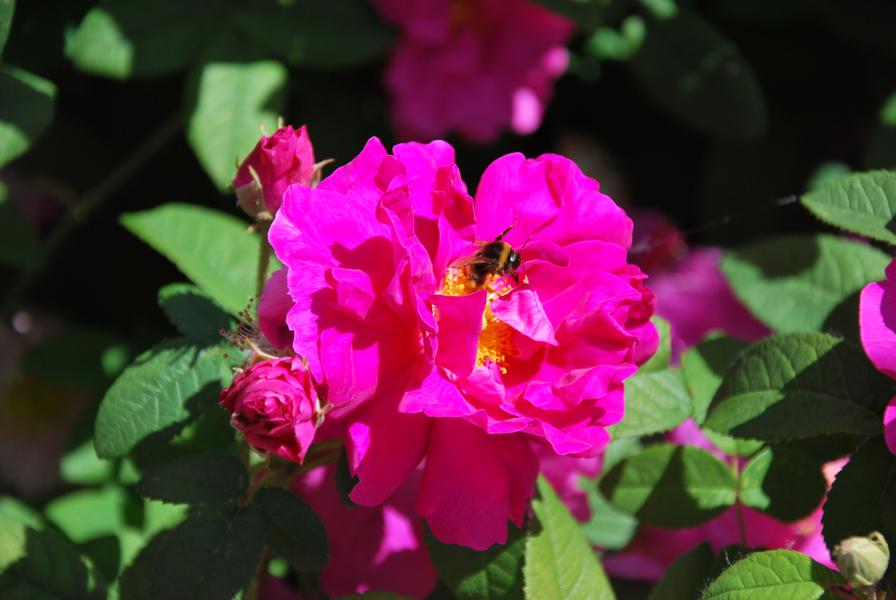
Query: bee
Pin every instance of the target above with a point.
(494, 258)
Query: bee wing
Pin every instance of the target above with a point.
(465, 261)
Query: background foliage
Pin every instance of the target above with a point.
(119, 125)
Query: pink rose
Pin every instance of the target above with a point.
(418, 365)
(877, 325)
(371, 548)
(274, 404)
(475, 67)
(276, 162)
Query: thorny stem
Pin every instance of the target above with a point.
(81, 211)
(264, 258)
(255, 584)
(738, 505)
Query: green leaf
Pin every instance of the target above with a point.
(490, 575)
(81, 466)
(774, 575)
(862, 498)
(7, 8)
(16, 510)
(733, 446)
(292, 530)
(671, 486)
(194, 313)
(863, 203)
(660, 361)
(800, 385)
(231, 95)
(134, 38)
(87, 514)
(196, 479)
(687, 576)
(793, 283)
(19, 247)
(41, 564)
(783, 482)
(163, 389)
(211, 248)
(323, 34)
(26, 108)
(608, 527)
(693, 72)
(704, 366)
(559, 562)
(654, 402)
(212, 555)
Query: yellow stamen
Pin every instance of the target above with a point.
(495, 340)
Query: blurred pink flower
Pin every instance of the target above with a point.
(691, 291)
(653, 549)
(877, 325)
(273, 403)
(371, 549)
(475, 67)
(417, 364)
(276, 162)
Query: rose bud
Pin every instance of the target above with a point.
(863, 560)
(276, 162)
(274, 404)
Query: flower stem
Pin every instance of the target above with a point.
(94, 198)
(738, 506)
(264, 259)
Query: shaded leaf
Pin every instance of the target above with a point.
(793, 283)
(41, 564)
(81, 466)
(212, 555)
(211, 248)
(800, 385)
(133, 38)
(559, 563)
(687, 576)
(783, 482)
(693, 72)
(160, 391)
(19, 247)
(471, 575)
(862, 498)
(194, 313)
(196, 479)
(292, 529)
(324, 34)
(26, 108)
(7, 8)
(704, 366)
(671, 486)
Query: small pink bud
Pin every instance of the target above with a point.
(274, 404)
(276, 162)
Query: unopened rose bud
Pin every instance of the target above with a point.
(275, 404)
(276, 162)
(863, 560)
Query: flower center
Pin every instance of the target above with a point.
(496, 339)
